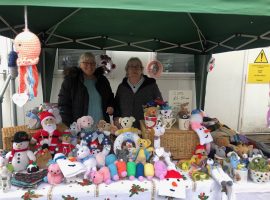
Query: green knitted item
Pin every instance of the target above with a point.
(131, 168)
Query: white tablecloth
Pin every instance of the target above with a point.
(121, 190)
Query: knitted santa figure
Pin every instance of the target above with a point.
(48, 137)
(65, 147)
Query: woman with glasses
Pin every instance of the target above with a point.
(85, 91)
(135, 91)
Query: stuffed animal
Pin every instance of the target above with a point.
(122, 154)
(143, 153)
(149, 171)
(48, 137)
(20, 156)
(100, 176)
(74, 132)
(42, 158)
(158, 131)
(217, 173)
(126, 126)
(160, 169)
(242, 149)
(84, 156)
(131, 170)
(54, 175)
(56, 113)
(5, 175)
(65, 146)
(85, 123)
(106, 128)
(110, 163)
(139, 171)
(151, 111)
(199, 154)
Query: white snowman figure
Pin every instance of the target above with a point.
(20, 156)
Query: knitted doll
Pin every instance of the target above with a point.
(48, 137)
(20, 156)
(65, 147)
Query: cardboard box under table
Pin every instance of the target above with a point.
(180, 143)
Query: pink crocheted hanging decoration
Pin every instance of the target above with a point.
(28, 47)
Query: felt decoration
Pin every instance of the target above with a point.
(131, 170)
(68, 168)
(28, 47)
(154, 69)
(173, 185)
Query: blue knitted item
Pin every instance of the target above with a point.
(139, 170)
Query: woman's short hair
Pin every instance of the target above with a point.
(134, 61)
(87, 56)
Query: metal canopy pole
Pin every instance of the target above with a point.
(2, 92)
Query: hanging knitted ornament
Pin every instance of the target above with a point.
(154, 68)
(28, 47)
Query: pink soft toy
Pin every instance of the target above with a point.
(102, 175)
(160, 169)
(55, 175)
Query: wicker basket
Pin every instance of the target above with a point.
(8, 133)
(180, 143)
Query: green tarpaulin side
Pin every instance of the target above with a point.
(239, 7)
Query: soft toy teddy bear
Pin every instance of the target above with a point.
(100, 176)
(143, 153)
(20, 156)
(126, 124)
(106, 128)
(242, 149)
(55, 175)
(151, 111)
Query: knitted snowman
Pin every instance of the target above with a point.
(20, 156)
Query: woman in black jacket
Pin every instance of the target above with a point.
(85, 91)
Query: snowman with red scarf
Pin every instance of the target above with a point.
(19, 157)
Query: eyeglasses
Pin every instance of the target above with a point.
(88, 63)
(136, 67)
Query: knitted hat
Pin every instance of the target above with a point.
(45, 115)
(173, 174)
(20, 136)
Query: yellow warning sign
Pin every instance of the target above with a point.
(258, 73)
(261, 58)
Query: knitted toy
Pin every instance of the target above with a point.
(110, 163)
(126, 126)
(43, 156)
(84, 123)
(28, 47)
(20, 156)
(34, 121)
(54, 175)
(199, 154)
(144, 151)
(65, 146)
(122, 154)
(106, 128)
(100, 176)
(121, 168)
(160, 169)
(88, 160)
(140, 171)
(48, 137)
(131, 170)
(149, 171)
(32, 167)
(158, 131)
